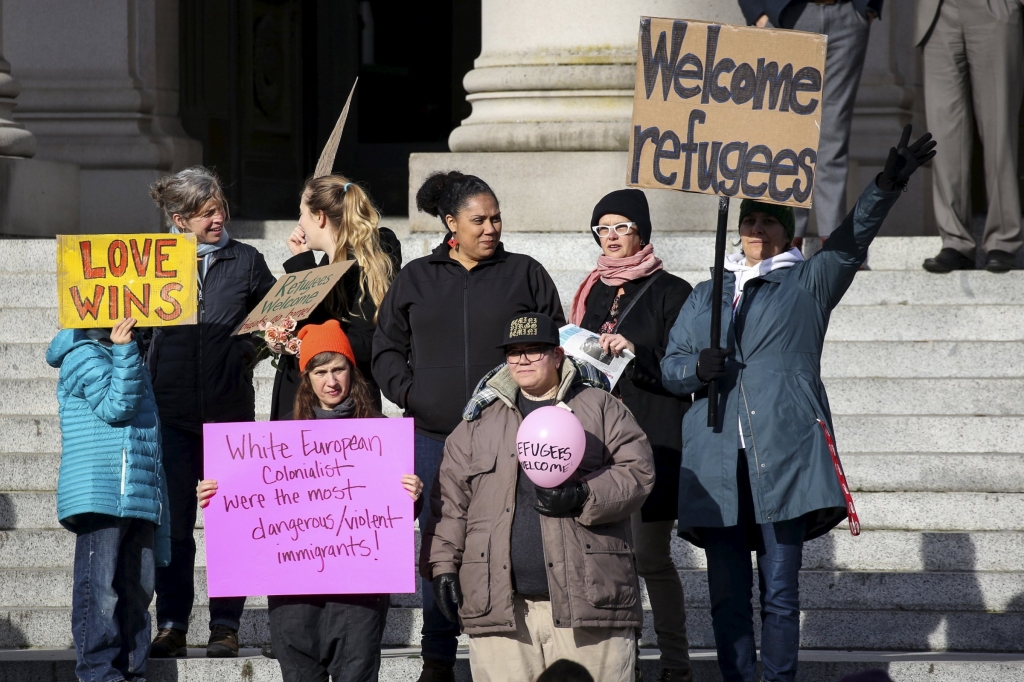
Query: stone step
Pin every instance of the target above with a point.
(854, 433)
(874, 550)
(993, 397)
(896, 630)
(840, 359)
(819, 590)
(866, 472)
(924, 511)
(403, 664)
(557, 251)
(38, 290)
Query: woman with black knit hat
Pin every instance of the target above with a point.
(632, 302)
(438, 332)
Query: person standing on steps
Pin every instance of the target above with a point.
(201, 374)
(847, 25)
(338, 217)
(328, 635)
(438, 332)
(539, 574)
(767, 476)
(632, 302)
(973, 55)
(110, 435)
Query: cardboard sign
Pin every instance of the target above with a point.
(103, 278)
(727, 110)
(295, 295)
(309, 507)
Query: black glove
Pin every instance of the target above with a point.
(711, 364)
(565, 500)
(904, 160)
(448, 595)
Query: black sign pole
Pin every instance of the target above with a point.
(716, 302)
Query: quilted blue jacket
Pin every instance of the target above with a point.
(111, 460)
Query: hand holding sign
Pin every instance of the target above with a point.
(551, 442)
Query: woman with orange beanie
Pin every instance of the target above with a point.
(319, 635)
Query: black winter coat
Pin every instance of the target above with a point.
(201, 373)
(440, 325)
(659, 413)
(359, 328)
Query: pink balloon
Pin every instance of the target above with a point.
(550, 443)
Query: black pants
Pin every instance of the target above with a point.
(336, 635)
(175, 583)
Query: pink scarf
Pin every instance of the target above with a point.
(614, 272)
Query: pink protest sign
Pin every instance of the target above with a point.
(309, 507)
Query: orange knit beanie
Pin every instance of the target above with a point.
(323, 338)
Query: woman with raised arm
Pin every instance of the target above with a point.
(439, 332)
(767, 478)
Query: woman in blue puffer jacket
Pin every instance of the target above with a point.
(111, 493)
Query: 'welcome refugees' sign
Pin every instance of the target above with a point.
(309, 507)
(103, 278)
(294, 295)
(727, 110)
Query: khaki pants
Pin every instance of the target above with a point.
(607, 653)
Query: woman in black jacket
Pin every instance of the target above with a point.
(632, 303)
(201, 374)
(338, 217)
(438, 333)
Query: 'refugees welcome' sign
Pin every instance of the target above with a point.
(727, 110)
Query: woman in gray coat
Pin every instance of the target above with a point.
(767, 477)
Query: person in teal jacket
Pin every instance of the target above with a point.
(766, 477)
(111, 493)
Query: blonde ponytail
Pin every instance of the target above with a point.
(354, 220)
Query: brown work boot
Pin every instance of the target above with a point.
(223, 642)
(437, 671)
(169, 643)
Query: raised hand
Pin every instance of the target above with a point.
(122, 331)
(904, 160)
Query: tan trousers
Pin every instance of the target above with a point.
(974, 67)
(607, 653)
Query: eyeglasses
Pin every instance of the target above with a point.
(621, 229)
(515, 357)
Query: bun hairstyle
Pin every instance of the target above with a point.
(186, 192)
(354, 219)
(446, 194)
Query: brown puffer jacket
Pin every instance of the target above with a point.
(592, 575)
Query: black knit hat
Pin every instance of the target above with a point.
(631, 203)
(784, 214)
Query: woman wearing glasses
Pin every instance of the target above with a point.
(632, 303)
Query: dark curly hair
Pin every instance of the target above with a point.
(446, 194)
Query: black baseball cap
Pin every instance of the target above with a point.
(530, 328)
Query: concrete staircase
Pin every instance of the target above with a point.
(925, 374)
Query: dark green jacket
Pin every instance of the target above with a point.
(772, 385)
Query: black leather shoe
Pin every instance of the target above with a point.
(1000, 261)
(949, 260)
(268, 651)
(437, 671)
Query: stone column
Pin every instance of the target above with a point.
(37, 198)
(100, 90)
(552, 96)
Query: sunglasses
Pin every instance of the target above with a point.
(621, 229)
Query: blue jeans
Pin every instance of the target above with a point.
(113, 586)
(439, 635)
(779, 548)
(175, 583)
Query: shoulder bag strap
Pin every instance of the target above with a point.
(640, 292)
